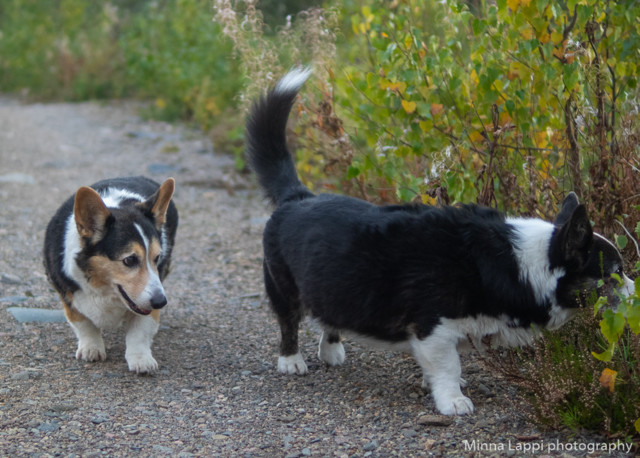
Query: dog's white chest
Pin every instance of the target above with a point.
(104, 311)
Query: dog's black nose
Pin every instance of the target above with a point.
(158, 300)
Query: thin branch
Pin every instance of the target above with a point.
(630, 236)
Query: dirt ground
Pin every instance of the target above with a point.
(217, 392)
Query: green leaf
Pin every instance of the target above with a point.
(570, 75)
(617, 278)
(352, 172)
(633, 318)
(612, 325)
(621, 241)
(599, 304)
(405, 194)
(605, 355)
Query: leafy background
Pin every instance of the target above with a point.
(508, 103)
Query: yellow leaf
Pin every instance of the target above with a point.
(556, 37)
(476, 136)
(608, 378)
(428, 200)
(408, 41)
(544, 37)
(559, 53)
(436, 109)
(541, 138)
(527, 33)
(546, 165)
(513, 4)
(474, 77)
(409, 107)
(161, 103)
(426, 126)
(637, 425)
(211, 105)
(397, 86)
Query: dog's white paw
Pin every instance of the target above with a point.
(293, 364)
(91, 351)
(331, 353)
(455, 405)
(141, 363)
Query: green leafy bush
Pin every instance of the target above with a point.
(522, 101)
(169, 52)
(173, 54)
(567, 387)
(59, 49)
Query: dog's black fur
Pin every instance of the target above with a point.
(410, 274)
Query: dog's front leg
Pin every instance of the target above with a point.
(139, 337)
(440, 363)
(90, 343)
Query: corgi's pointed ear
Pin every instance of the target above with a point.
(569, 204)
(91, 214)
(577, 236)
(156, 206)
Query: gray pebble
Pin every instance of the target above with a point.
(163, 449)
(22, 375)
(485, 390)
(48, 427)
(100, 418)
(10, 279)
(371, 446)
(36, 315)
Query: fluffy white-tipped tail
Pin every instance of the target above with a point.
(266, 149)
(293, 80)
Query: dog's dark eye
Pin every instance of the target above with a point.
(130, 261)
(156, 260)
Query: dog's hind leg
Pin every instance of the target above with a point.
(288, 310)
(330, 349)
(440, 363)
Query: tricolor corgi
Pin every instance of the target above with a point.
(414, 277)
(106, 251)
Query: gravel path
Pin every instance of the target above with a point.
(217, 392)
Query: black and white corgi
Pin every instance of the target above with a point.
(106, 251)
(416, 278)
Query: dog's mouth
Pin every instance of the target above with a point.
(132, 305)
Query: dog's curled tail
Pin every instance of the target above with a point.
(266, 143)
